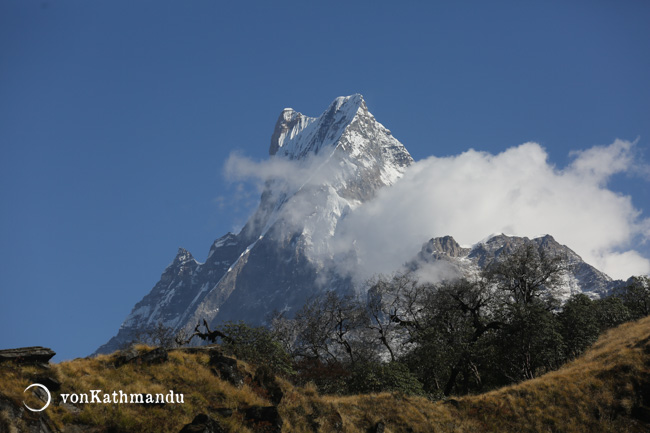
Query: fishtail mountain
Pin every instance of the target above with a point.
(285, 254)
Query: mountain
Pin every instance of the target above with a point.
(282, 255)
(445, 258)
(326, 167)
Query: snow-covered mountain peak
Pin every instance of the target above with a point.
(285, 252)
(443, 258)
(348, 104)
(289, 249)
(182, 256)
(297, 136)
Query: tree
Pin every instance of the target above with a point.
(255, 344)
(527, 275)
(530, 344)
(208, 335)
(328, 328)
(580, 325)
(611, 312)
(374, 377)
(394, 308)
(526, 280)
(284, 330)
(327, 338)
(636, 296)
(449, 330)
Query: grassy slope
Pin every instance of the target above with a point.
(606, 390)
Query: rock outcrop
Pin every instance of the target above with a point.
(27, 355)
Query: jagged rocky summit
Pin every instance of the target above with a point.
(284, 253)
(280, 257)
(446, 259)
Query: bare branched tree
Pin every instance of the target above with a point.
(208, 335)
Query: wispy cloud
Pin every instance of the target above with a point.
(300, 187)
(241, 168)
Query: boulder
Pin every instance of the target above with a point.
(335, 422)
(50, 383)
(70, 408)
(224, 412)
(156, 356)
(131, 355)
(209, 349)
(126, 356)
(265, 381)
(82, 428)
(452, 402)
(27, 355)
(263, 419)
(13, 416)
(202, 423)
(226, 369)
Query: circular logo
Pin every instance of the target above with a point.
(47, 391)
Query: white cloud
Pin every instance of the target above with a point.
(600, 162)
(241, 168)
(279, 180)
(285, 173)
(516, 192)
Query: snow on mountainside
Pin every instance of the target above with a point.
(287, 250)
(444, 258)
(281, 256)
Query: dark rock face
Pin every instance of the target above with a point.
(224, 412)
(334, 422)
(265, 380)
(155, 356)
(226, 368)
(453, 402)
(50, 382)
(445, 247)
(126, 356)
(210, 349)
(263, 419)
(27, 355)
(71, 408)
(202, 423)
(82, 428)
(16, 418)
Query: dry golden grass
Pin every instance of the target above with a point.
(598, 392)
(183, 373)
(603, 391)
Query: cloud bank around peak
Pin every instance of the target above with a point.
(292, 174)
(517, 192)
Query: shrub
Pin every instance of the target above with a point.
(257, 346)
(376, 377)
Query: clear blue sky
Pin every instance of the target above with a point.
(116, 118)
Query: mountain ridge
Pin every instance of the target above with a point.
(328, 166)
(579, 277)
(282, 255)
